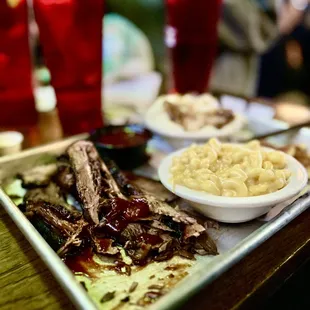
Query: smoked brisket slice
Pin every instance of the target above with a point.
(93, 179)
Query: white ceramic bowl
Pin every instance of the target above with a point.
(157, 120)
(235, 209)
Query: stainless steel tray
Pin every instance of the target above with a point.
(233, 241)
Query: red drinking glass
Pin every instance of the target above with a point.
(191, 36)
(16, 99)
(71, 38)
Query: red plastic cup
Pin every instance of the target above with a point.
(71, 38)
(191, 36)
(16, 99)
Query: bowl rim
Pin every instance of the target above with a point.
(100, 131)
(296, 183)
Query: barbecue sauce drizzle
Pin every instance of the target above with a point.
(121, 213)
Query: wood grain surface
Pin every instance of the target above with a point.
(25, 282)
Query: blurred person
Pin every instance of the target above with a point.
(246, 31)
(297, 75)
(285, 68)
(290, 14)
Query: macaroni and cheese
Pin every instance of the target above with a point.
(230, 169)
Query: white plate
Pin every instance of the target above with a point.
(235, 209)
(158, 121)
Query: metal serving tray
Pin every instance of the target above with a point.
(233, 241)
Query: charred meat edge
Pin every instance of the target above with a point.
(60, 219)
(91, 186)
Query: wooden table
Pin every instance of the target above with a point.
(25, 282)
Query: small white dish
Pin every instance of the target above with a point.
(10, 142)
(236, 104)
(235, 209)
(259, 110)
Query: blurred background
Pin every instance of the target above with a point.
(262, 40)
(265, 45)
(261, 51)
(283, 53)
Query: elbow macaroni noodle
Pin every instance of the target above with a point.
(230, 169)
